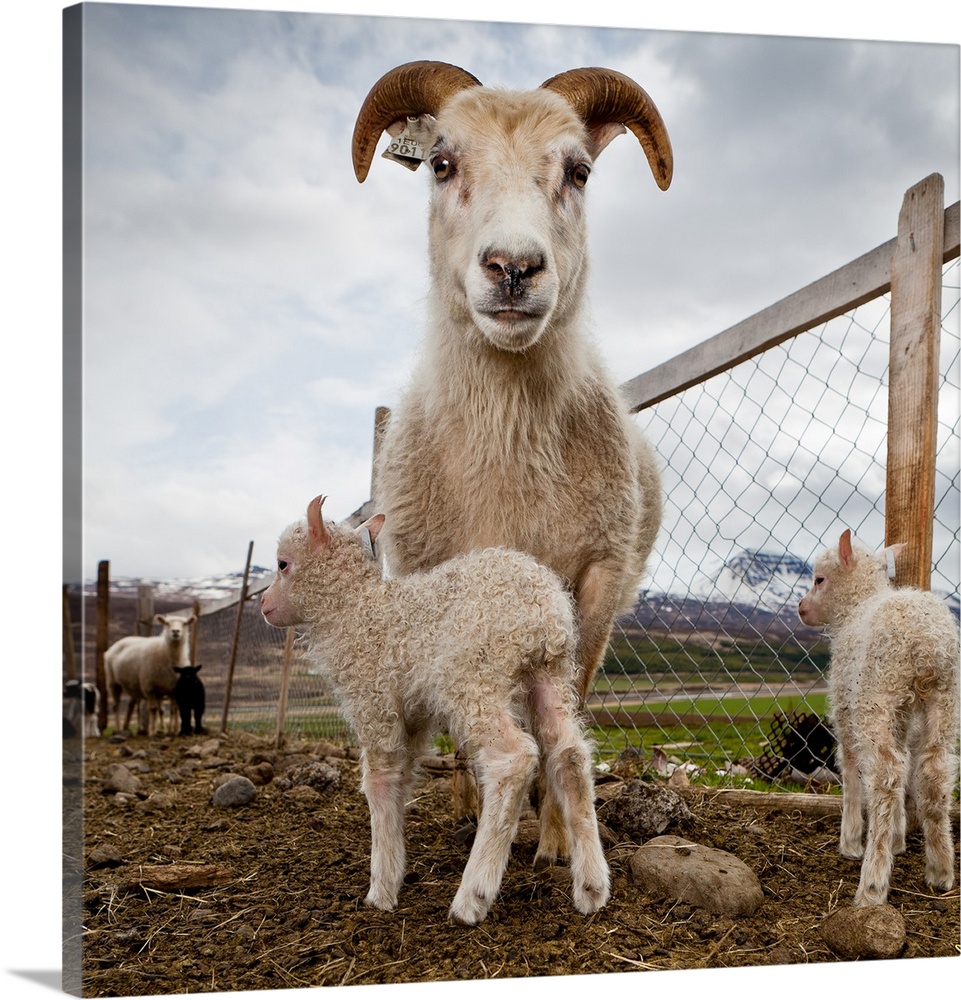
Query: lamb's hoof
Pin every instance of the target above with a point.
(854, 852)
(871, 895)
(380, 901)
(464, 836)
(589, 899)
(542, 861)
(469, 909)
(940, 881)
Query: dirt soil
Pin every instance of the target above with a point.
(288, 873)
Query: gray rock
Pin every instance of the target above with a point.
(159, 802)
(105, 856)
(315, 774)
(675, 868)
(643, 809)
(120, 779)
(233, 790)
(865, 932)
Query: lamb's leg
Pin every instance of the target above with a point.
(115, 695)
(131, 705)
(884, 771)
(596, 594)
(385, 782)
(567, 773)
(465, 795)
(505, 765)
(852, 807)
(933, 776)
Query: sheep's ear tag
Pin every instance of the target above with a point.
(410, 141)
(367, 542)
(889, 555)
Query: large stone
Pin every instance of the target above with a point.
(233, 790)
(675, 868)
(119, 778)
(643, 809)
(865, 932)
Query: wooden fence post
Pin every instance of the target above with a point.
(285, 688)
(102, 636)
(69, 660)
(914, 380)
(236, 640)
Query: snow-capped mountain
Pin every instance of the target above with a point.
(204, 589)
(753, 580)
(769, 580)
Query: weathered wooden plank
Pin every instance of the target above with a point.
(803, 803)
(914, 380)
(840, 291)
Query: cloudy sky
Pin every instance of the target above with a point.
(248, 303)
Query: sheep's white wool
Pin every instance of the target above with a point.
(142, 667)
(480, 647)
(893, 685)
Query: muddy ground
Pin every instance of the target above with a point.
(288, 871)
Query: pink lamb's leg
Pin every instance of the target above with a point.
(852, 806)
(596, 595)
(567, 773)
(505, 764)
(884, 768)
(385, 782)
(933, 776)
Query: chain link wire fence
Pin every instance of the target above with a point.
(763, 465)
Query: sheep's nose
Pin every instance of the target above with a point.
(511, 273)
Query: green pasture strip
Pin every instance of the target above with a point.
(638, 654)
(709, 731)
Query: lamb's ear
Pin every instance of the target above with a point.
(373, 525)
(845, 550)
(319, 535)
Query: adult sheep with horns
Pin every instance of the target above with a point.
(510, 431)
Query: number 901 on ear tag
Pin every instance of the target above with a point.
(411, 145)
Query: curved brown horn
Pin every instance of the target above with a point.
(604, 96)
(415, 88)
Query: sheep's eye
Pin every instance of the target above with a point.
(579, 174)
(443, 167)
(281, 564)
(818, 580)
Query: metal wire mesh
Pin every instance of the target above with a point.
(763, 466)
(255, 690)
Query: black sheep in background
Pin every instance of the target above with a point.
(190, 698)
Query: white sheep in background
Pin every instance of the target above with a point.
(893, 685)
(480, 647)
(511, 432)
(142, 668)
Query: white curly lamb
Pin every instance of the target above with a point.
(480, 647)
(894, 707)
